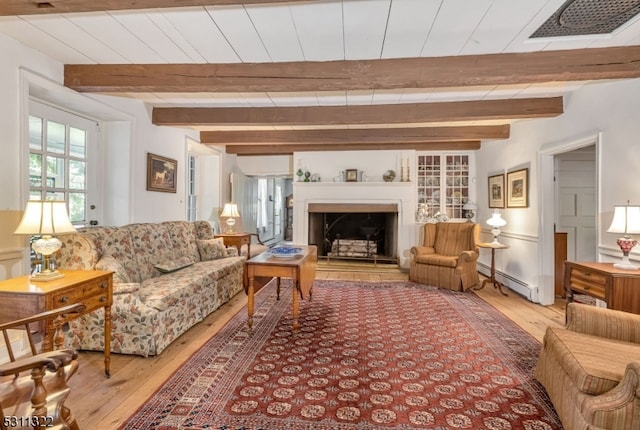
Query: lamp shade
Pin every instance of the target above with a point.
(45, 218)
(230, 210)
(470, 206)
(626, 220)
(496, 220)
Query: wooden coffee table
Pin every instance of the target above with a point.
(301, 269)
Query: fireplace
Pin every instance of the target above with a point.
(360, 231)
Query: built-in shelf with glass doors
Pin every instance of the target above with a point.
(444, 182)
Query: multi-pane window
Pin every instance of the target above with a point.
(58, 164)
(192, 189)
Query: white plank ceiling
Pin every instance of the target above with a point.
(308, 31)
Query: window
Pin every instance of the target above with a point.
(59, 148)
(192, 189)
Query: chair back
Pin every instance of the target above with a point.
(452, 238)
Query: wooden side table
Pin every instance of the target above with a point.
(301, 269)
(237, 240)
(22, 297)
(492, 278)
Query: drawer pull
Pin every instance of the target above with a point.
(103, 299)
(64, 299)
(103, 285)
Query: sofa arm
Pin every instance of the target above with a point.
(232, 251)
(602, 322)
(619, 407)
(417, 251)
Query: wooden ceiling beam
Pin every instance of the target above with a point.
(288, 149)
(31, 7)
(404, 113)
(381, 136)
(435, 72)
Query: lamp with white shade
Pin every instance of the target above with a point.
(495, 222)
(45, 218)
(469, 208)
(230, 212)
(626, 221)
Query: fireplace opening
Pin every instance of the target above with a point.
(354, 231)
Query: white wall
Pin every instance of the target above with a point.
(126, 135)
(328, 164)
(607, 110)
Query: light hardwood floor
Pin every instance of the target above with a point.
(100, 403)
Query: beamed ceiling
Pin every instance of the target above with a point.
(273, 77)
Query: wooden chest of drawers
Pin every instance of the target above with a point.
(22, 297)
(620, 289)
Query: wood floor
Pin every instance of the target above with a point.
(100, 403)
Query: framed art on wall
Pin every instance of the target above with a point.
(496, 191)
(161, 173)
(517, 189)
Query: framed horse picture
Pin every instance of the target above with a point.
(161, 173)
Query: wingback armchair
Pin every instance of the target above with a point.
(447, 257)
(33, 387)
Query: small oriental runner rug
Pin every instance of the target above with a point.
(387, 355)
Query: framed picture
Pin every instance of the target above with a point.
(161, 173)
(496, 191)
(351, 175)
(517, 189)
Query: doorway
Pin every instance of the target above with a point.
(575, 201)
(568, 171)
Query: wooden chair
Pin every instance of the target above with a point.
(447, 257)
(33, 387)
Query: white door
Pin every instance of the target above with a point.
(576, 202)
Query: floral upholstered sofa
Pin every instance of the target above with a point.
(167, 277)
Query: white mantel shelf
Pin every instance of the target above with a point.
(400, 193)
(368, 183)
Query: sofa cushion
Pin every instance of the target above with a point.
(183, 235)
(211, 249)
(109, 263)
(437, 260)
(116, 242)
(152, 245)
(594, 364)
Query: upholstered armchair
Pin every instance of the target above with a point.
(591, 368)
(33, 388)
(447, 257)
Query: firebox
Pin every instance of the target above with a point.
(362, 231)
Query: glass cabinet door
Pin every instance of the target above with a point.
(456, 172)
(443, 183)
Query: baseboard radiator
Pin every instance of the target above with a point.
(512, 283)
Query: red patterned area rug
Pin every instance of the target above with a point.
(386, 355)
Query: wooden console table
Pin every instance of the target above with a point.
(23, 297)
(619, 288)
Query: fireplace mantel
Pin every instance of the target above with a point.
(401, 194)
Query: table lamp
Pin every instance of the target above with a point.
(469, 207)
(496, 221)
(230, 212)
(626, 220)
(45, 218)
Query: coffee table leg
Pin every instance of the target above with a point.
(250, 292)
(296, 303)
(278, 288)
